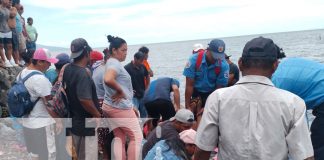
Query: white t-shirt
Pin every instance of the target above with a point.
(38, 86)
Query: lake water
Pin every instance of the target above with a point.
(169, 59)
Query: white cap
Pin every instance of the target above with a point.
(197, 47)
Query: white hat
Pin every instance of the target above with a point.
(197, 47)
(184, 116)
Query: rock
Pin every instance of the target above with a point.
(7, 77)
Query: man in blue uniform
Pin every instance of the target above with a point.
(205, 72)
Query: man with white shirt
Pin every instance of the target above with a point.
(253, 119)
(38, 125)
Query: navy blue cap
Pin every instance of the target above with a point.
(260, 47)
(63, 59)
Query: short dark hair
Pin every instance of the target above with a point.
(115, 42)
(144, 49)
(29, 18)
(139, 55)
(27, 56)
(264, 63)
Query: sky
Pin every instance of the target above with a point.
(58, 22)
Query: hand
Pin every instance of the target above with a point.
(59, 127)
(118, 97)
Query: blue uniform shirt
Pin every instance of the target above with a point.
(205, 78)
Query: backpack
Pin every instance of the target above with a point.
(19, 102)
(60, 100)
(199, 60)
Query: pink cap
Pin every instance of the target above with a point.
(44, 54)
(188, 136)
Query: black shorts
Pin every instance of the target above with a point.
(158, 108)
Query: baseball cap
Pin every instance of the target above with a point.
(260, 48)
(217, 47)
(63, 58)
(44, 54)
(95, 55)
(188, 136)
(184, 116)
(78, 46)
(197, 47)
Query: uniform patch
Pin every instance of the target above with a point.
(220, 49)
(226, 74)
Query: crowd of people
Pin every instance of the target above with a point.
(260, 115)
(16, 37)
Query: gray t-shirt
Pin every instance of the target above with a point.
(4, 16)
(124, 81)
(97, 77)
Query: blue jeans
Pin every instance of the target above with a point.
(31, 45)
(138, 103)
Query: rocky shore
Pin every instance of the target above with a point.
(10, 147)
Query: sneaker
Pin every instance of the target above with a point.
(12, 62)
(8, 64)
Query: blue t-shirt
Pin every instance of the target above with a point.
(51, 75)
(205, 77)
(19, 26)
(302, 77)
(160, 89)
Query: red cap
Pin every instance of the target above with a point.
(95, 55)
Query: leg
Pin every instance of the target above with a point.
(8, 48)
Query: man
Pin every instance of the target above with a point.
(182, 120)
(188, 137)
(32, 34)
(197, 48)
(205, 72)
(96, 59)
(305, 78)
(234, 72)
(157, 99)
(6, 34)
(83, 101)
(38, 126)
(145, 50)
(253, 119)
(138, 73)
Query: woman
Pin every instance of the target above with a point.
(170, 149)
(118, 102)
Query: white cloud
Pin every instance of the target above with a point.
(169, 20)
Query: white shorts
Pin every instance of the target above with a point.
(6, 35)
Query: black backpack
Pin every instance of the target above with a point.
(19, 102)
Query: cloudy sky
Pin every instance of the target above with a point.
(151, 21)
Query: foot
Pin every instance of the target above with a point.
(12, 62)
(8, 64)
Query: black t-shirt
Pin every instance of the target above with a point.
(79, 85)
(168, 131)
(137, 74)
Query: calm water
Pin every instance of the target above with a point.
(169, 59)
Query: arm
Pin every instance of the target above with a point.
(150, 72)
(201, 154)
(109, 80)
(147, 81)
(36, 36)
(90, 107)
(298, 138)
(189, 90)
(176, 94)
